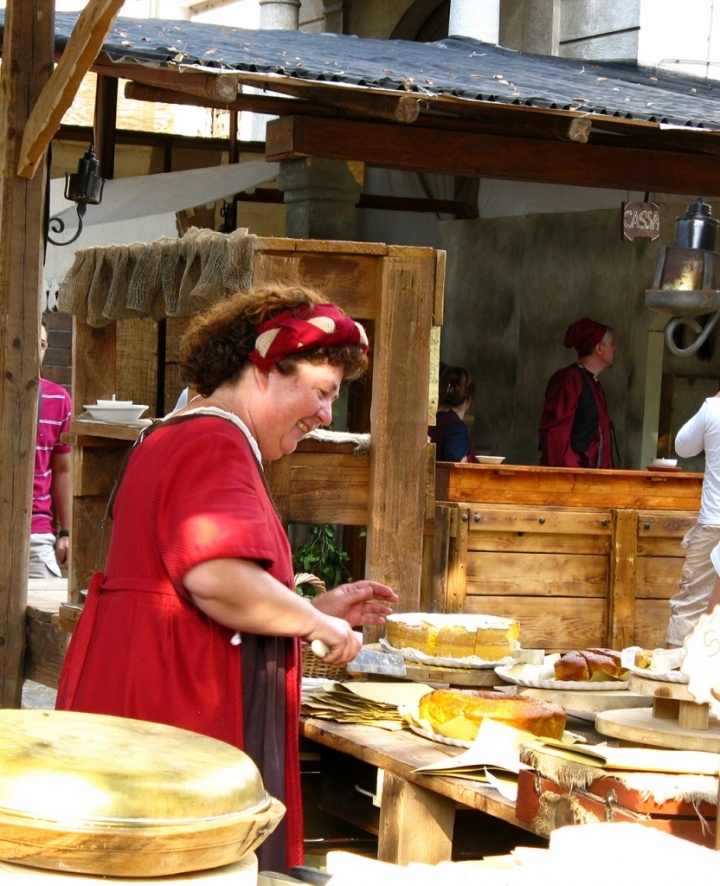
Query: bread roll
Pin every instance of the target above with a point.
(600, 663)
(542, 718)
(580, 665)
(610, 653)
(572, 667)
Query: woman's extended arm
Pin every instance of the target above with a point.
(244, 597)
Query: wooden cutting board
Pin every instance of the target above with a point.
(591, 700)
(640, 727)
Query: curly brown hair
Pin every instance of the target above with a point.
(216, 346)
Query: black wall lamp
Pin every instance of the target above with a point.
(82, 187)
(227, 211)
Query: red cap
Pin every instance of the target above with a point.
(584, 334)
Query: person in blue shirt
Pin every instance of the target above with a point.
(450, 434)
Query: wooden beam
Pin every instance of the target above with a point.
(220, 88)
(508, 120)
(86, 40)
(376, 201)
(503, 157)
(259, 104)
(106, 99)
(398, 108)
(27, 63)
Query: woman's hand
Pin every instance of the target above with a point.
(336, 635)
(359, 602)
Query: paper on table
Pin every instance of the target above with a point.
(390, 693)
(368, 704)
(641, 759)
(496, 748)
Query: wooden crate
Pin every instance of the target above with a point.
(578, 558)
(546, 805)
(547, 567)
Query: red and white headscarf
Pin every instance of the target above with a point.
(312, 326)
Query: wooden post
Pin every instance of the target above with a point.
(401, 368)
(414, 821)
(27, 63)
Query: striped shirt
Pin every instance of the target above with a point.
(54, 413)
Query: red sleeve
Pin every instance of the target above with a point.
(561, 401)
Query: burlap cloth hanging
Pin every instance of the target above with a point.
(166, 278)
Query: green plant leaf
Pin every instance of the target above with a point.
(321, 556)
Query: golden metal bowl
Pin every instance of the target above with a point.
(106, 795)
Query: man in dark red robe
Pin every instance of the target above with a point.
(576, 430)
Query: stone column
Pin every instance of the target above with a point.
(279, 15)
(542, 27)
(321, 197)
(475, 18)
(275, 15)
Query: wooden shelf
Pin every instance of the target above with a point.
(84, 433)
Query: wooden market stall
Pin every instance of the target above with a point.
(396, 291)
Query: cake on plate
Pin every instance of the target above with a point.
(448, 635)
(542, 718)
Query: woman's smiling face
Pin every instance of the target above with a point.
(294, 405)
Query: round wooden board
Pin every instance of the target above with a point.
(592, 701)
(639, 727)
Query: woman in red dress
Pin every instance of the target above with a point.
(195, 621)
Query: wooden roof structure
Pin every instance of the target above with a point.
(457, 106)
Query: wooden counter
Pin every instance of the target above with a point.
(567, 487)
(579, 557)
(417, 812)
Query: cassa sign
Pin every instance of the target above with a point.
(640, 220)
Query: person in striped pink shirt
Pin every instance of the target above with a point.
(52, 491)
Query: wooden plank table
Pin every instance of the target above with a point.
(417, 812)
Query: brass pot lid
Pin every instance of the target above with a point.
(91, 769)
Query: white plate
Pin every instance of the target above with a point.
(414, 655)
(583, 686)
(453, 742)
(117, 413)
(490, 459)
(666, 677)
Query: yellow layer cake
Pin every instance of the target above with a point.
(488, 637)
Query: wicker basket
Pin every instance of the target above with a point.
(312, 666)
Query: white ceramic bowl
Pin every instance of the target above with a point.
(116, 412)
(113, 403)
(490, 459)
(664, 462)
